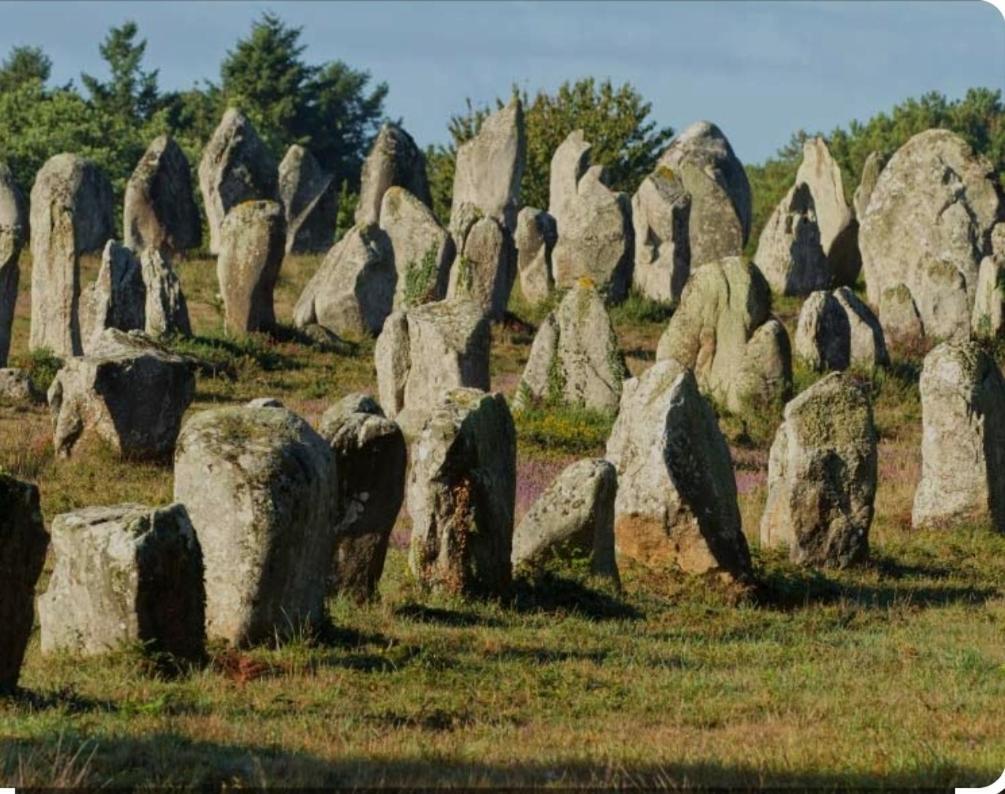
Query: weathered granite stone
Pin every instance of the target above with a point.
(13, 233)
(898, 315)
(661, 211)
(789, 253)
(836, 331)
(309, 196)
(485, 268)
(17, 388)
(867, 183)
(535, 238)
(165, 308)
(394, 160)
(422, 249)
(116, 299)
(251, 239)
(159, 210)
(987, 320)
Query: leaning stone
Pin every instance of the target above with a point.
(535, 238)
(422, 249)
(125, 575)
(117, 297)
(13, 233)
(822, 476)
(17, 388)
(661, 210)
(461, 494)
(128, 391)
(789, 253)
(23, 543)
(159, 210)
(261, 488)
(251, 254)
(310, 202)
(394, 160)
(867, 183)
(676, 502)
(370, 456)
(963, 439)
(988, 318)
(574, 517)
(484, 269)
(898, 314)
(165, 308)
(836, 331)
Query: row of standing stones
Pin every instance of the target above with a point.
(269, 517)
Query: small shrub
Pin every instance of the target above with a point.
(42, 366)
(565, 429)
(637, 309)
(420, 279)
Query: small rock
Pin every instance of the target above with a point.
(16, 387)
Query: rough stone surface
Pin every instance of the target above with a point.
(676, 502)
(165, 308)
(428, 350)
(352, 293)
(125, 575)
(485, 268)
(252, 239)
(23, 543)
(489, 168)
(235, 167)
(719, 223)
(261, 488)
(822, 476)
(71, 213)
(724, 331)
(963, 439)
(116, 299)
(928, 227)
(159, 210)
(987, 320)
(422, 249)
(17, 388)
(575, 357)
(13, 233)
(127, 391)
(461, 494)
(394, 160)
(661, 211)
(595, 235)
(789, 253)
(535, 238)
(867, 183)
(574, 517)
(310, 202)
(836, 331)
(370, 456)
(898, 314)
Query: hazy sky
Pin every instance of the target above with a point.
(759, 69)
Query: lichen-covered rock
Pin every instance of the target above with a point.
(927, 227)
(352, 293)
(461, 494)
(116, 299)
(428, 350)
(574, 517)
(724, 331)
(822, 476)
(165, 308)
(489, 168)
(789, 252)
(719, 223)
(676, 502)
(125, 575)
(252, 241)
(661, 211)
(987, 320)
(867, 183)
(159, 210)
(17, 388)
(310, 201)
(535, 238)
(963, 439)
(370, 457)
(394, 160)
(836, 331)
(71, 213)
(898, 314)
(235, 167)
(13, 233)
(595, 235)
(23, 543)
(261, 488)
(575, 357)
(127, 391)
(422, 249)
(485, 268)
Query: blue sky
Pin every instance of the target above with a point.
(759, 69)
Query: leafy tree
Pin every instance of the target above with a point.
(132, 92)
(24, 65)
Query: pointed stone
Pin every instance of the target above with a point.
(535, 237)
(422, 249)
(309, 197)
(661, 211)
(394, 160)
(789, 253)
(159, 210)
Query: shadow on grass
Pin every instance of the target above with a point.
(218, 357)
(65, 699)
(456, 618)
(550, 592)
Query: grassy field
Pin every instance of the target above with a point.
(889, 675)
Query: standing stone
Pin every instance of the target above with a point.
(370, 457)
(822, 476)
(13, 232)
(867, 183)
(117, 298)
(310, 202)
(461, 495)
(789, 252)
(489, 168)
(23, 543)
(252, 240)
(235, 167)
(127, 391)
(394, 160)
(165, 308)
(352, 293)
(574, 517)
(484, 270)
(661, 211)
(123, 575)
(719, 223)
(927, 227)
(963, 439)
(724, 331)
(988, 318)
(428, 350)
(159, 210)
(676, 502)
(421, 248)
(71, 213)
(261, 489)
(899, 316)
(594, 223)
(836, 331)
(535, 238)
(575, 357)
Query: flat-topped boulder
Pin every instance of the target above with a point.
(535, 237)
(661, 212)
(421, 248)
(252, 242)
(159, 210)
(309, 196)
(394, 160)
(836, 331)
(789, 253)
